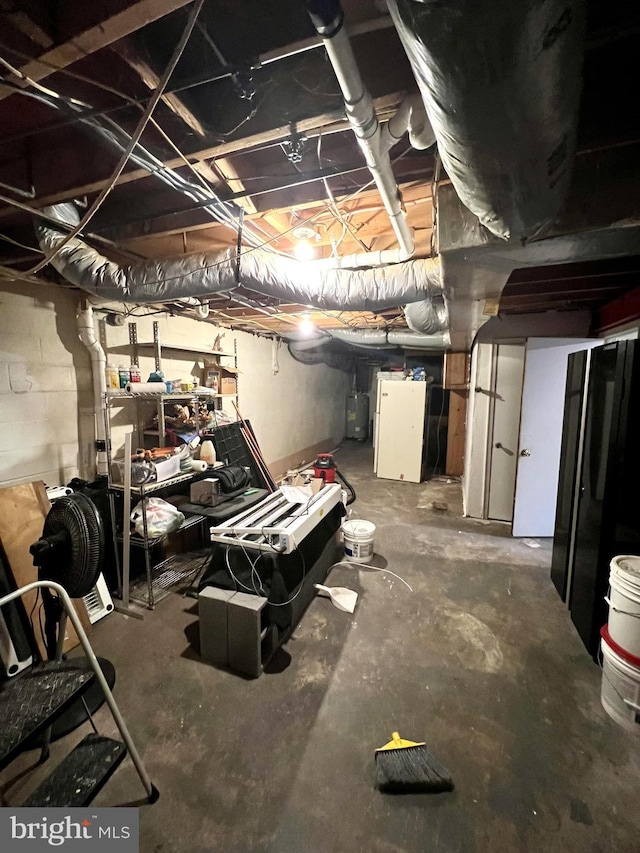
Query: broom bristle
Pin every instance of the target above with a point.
(411, 769)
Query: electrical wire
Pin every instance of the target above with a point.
(246, 251)
(223, 212)
(300, 584)
(38, 598)
(377, 569)
(435, 467)
(21, 245)
(158, 166)
(88, 112)
(175, 58)
(230, 570)
(334, 207)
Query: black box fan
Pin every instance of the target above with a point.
(70, 553)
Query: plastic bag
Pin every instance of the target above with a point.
(162, 517)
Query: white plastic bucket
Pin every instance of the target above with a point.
(624, 603)
(358, 538)
(620, 694)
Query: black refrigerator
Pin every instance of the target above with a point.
(598, 510)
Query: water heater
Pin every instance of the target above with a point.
(358, 416)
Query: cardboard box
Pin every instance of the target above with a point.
(316, 483)
(228, 385)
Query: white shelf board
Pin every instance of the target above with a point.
(122, 395)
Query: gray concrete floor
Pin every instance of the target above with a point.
(481, 660)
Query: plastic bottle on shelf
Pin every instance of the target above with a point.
(134, 373)
(112, 377)
(124, 376)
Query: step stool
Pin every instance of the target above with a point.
(32, 700)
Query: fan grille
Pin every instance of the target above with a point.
(78, 554)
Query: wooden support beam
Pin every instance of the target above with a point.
(625, 309)
(230, 176)
(385, 105)
(28, 27)
(277, 219)
(126, 51)
(456, 432)
(137, 15)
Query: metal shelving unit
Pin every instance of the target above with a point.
(158, 579)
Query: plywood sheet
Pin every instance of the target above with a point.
(22, 512)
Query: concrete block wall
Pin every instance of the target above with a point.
(295, 409)
(46, 403)
(46, 412)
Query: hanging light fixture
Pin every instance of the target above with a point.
(306, 326)
(305, 236)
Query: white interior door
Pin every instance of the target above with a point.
(503, 460)
(538, 459)
(401, 412)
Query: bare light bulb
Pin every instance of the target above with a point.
(306, 327)
(304, 250)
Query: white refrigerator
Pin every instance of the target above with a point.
(399, 429)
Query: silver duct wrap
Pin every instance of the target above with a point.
(390, 339)
(204, 274)
(501, 83)
(428, 317)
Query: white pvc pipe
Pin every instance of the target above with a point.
(411, 116)
(364, 121)
(87, 334)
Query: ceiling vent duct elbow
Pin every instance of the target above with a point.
(501, 82)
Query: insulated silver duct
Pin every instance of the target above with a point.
(388, 339)
(428, 317)
(501, 83)
(373, 338)
(205, 273)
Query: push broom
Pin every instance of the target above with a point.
(403, 766)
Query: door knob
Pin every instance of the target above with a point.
(525, 453)
(498, 445)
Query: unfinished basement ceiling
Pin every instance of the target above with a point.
(260, 118)
(569, 287)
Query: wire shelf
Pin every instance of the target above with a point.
(150, 488)
(167, 575)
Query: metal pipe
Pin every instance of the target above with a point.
(328, 19)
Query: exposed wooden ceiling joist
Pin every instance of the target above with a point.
(23, 22)
(384, 105)
(138, 14)
(211, 236)
(127, 51)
